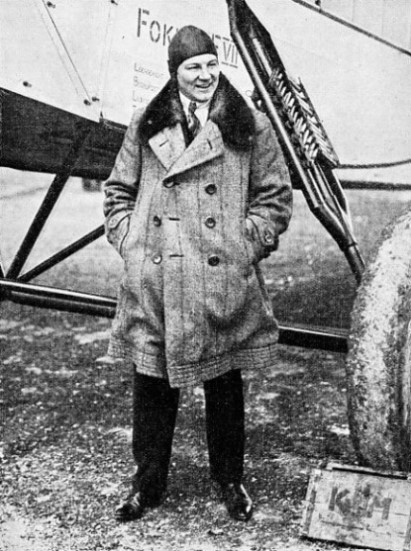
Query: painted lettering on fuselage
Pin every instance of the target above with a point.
(161, 33)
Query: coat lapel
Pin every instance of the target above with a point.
(205, 147)
(168, 145)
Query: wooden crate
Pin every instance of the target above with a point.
(359, 507)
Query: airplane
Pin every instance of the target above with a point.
(66, 102)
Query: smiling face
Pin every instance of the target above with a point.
(198, 77)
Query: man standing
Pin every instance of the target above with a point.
(199, 194)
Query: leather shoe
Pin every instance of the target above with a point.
(237, 501)
(133, 507)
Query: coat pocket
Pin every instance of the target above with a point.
(117, 229)
(125, 233)
(254, 249)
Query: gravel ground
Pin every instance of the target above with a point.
(66, 408)
(67, 460)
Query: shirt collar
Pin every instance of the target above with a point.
(201, 111)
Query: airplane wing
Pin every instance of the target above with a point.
(93, 62)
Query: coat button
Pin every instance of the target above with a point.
(211, 189)
(268, 238)
(157, 258)
(214, 260)
(210, 222)
(113, 222)
(156, 220)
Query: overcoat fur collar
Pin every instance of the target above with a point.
(228, 110)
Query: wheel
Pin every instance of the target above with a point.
(379, 358)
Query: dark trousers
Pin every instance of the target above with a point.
(155, 412)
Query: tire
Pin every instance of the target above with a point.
(379, 357)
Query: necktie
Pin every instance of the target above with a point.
(194, 124)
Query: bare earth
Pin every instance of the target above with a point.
(67, 457)
(66, 408)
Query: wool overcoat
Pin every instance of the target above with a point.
(191, 223)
